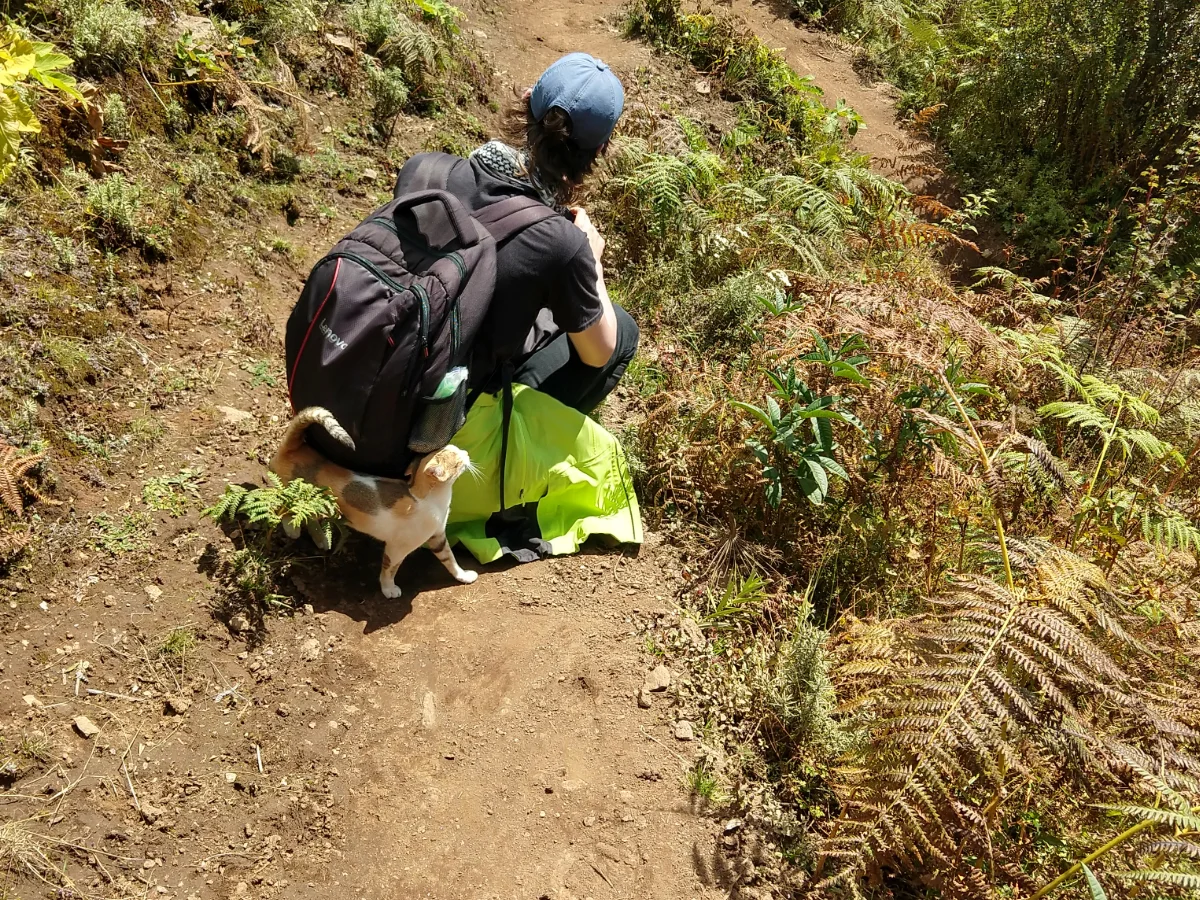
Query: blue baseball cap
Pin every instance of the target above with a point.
(586, 90)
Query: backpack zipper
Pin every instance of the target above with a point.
(416, 289)
(391, 226)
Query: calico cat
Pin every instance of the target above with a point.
(404, 514)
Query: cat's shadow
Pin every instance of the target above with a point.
(347, 581)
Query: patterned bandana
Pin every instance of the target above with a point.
(512, 165)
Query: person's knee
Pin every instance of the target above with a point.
(627, 338)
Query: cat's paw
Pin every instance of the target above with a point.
(467, 577)
(391, 591)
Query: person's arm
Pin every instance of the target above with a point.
(596, 343)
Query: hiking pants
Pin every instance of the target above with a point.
(557, 370)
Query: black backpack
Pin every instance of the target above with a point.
(392, 308)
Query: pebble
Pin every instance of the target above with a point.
(692, 631)
(310, 650)
(658, 680)
(428, 711)
(233, 416)
(732, 825)
(684, 731)
(178, 705)
(238, 623)
(31, 700)
(644, 699)
(86, 727)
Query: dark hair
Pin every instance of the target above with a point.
(558, 162)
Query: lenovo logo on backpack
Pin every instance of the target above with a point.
(331, 337)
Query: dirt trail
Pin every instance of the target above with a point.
(461, 743)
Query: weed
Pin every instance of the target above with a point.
(72, 357)
(116, 117)
(36, 748)
(121, 534)
(172, 493)
(144, 431)
(105, 33)
(114, 205)
(178, 643)
(262, 371)
(66, 256)
(703, 785)
(389, 94)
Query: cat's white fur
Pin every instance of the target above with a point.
(403, 513)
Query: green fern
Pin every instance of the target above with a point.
(298, 502)
(1169, 529)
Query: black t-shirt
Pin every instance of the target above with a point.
(545, 276)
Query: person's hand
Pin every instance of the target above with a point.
(584, 224)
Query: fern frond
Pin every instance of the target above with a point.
(1185, 880)
(1081, 415)
(1169, 529)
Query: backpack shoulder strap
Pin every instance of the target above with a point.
(508, 217)
(425, 172)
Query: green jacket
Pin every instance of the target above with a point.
(566, 473)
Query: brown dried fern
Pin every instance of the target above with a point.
(14, 470)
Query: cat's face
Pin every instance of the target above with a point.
(440, 468)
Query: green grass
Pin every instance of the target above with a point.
(178, 643)
(172, 493)
(118, 535)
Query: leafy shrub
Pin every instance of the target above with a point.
(114, 205)
(26, 65)
(105, 34)
(389, 94)
(374, 21)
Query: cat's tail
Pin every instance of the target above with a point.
(293, 438)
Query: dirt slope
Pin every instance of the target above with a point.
(464, 742)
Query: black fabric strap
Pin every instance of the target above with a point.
(506, 409)
(506, 218)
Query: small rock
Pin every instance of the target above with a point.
(31, 700)
(428, 711)
(148, 864)
(249, 830)
(693, 632)
(732, 825)
(233, 416)
(658, 680)
(44, 606)
(238, 623)
(571, 785)
(310, 650)
(703, 86)
(341, 41)
(307, 609)
(177, 706)
(231, 777)
(589, 821)
(151, 814)
(730, 841)
(684, 731)
(370, 175)
(86, 727)
(644, 699)
(153, 592)
(482, 35)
